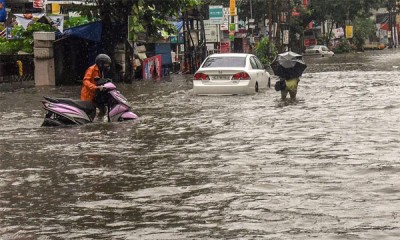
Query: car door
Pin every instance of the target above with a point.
(325, 50)
(263, 78)
(255, 70)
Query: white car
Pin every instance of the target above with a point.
(230, 73)
(319, 50)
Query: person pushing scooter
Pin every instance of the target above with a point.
(98, 70)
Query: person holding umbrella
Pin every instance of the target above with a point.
(288, 66)
(290, 87)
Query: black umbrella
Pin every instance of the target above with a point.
(288, 65)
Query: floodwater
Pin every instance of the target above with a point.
(213, 167)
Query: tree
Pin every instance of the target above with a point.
(148, 17)
(298, 24)
(363, 29)
(265, 51)
(340, 11)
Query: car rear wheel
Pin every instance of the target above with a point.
(269, 82)
(256, 87)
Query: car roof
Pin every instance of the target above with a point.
(230, 55)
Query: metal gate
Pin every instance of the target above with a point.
(17, 68)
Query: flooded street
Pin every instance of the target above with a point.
(213, 167)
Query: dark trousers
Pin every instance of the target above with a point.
(102, 110)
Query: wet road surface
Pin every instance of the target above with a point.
(213, 167)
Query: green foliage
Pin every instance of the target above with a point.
(343, 46)
(265, 51)
(23, 38)
(363, 29)
(340, 10)
(149, 16)
(10, 46)
(76, 21)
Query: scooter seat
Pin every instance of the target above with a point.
(86, 106)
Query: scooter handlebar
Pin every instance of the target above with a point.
(101, 81)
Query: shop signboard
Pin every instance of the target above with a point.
(37, 3)
(152, 67)
(211, 31)
(232, 8)
(225, 47)
(216, 14)
(349, 31)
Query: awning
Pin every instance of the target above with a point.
(90, 31)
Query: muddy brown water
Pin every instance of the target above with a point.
(213, 167)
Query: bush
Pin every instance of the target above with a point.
(343, 46)
(265, 51)
(23, 38)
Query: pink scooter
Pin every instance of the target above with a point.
(65, 111)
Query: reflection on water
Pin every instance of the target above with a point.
(324, 166)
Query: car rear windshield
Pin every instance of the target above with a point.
(213, 62)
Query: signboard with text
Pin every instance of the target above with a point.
(232, 7)
(285, 37)
(38, 4)
(228, 20)
(211, 31)
(216, 14)
(349, 31)
(225, 47)
(152, 67)
(309, 42)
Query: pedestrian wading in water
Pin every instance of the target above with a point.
(290, 87)
(289, 67)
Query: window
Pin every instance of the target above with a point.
(259, 64)
(253, 63)
(213, 62)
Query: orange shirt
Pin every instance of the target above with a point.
(88, 84)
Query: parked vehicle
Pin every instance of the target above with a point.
(65, 111)
(319, 50)
(374, 46)
(230, 73)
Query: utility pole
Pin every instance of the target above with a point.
(391, 29)
(251, 9)
(289, 15)
(251, 17)
(270, 20)
(232, 13)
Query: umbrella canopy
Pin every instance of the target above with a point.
(288, 65)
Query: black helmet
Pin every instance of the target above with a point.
(102, 59)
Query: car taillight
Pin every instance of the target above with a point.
(241, 76)
(201, 76)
